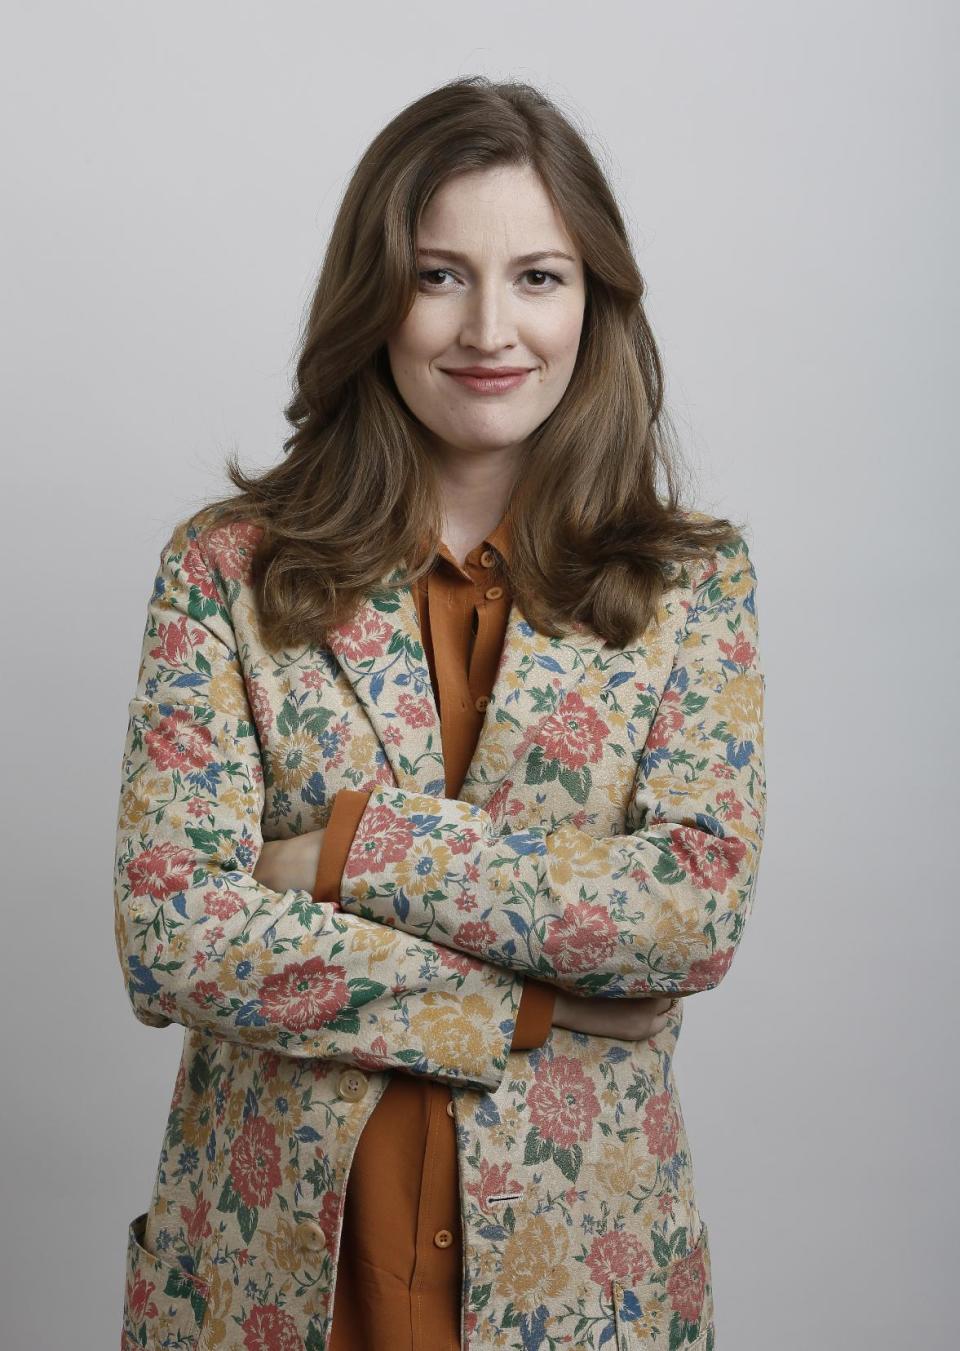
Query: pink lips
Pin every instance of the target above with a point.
(489, 380)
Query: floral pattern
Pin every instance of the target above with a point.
(606, 839)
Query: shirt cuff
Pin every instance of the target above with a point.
(534, 1016)
(348, 807)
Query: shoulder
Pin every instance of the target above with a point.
(224, 548)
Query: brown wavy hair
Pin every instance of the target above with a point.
(357, 494)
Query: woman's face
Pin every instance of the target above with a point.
(482, 302)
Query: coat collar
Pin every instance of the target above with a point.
(381, 654)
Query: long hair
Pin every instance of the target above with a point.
(592, 532)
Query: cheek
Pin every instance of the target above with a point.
(560, 338)
(420, 337)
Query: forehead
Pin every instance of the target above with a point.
(505, 208)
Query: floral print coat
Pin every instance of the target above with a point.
(606, 839)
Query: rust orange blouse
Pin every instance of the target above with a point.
(399, 1269)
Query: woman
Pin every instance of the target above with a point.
(442, 784)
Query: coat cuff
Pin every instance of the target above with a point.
(338, 836)
(534, 1016)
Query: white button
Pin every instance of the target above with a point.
(352, 1085)
(450, 1107)
(493, 592)
(443, 1238)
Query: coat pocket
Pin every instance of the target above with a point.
(163, 1304)
(672, 1306)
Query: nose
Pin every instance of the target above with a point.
(489, 323)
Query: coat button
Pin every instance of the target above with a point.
(493, 592)
(450, 1107)
(488, 558)
(480, 703)
(443, 1238)
(352, 1085)
(310, 1237)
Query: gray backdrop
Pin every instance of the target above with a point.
(170, 174)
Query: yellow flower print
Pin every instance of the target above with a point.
(219, 1299)
(295, 760)
(178, 944)
(136, 802)
(240, 803)
(244, 967)
(377, 940)
(623, 1167)
(740, 705)
(228, 694)
(361, 754)
(574, 853)
(451, 1030)
(282, 1247)
(679, 935)
(235, 1110)
(197, 1121)
(282, 1106)
(533, 1263)
(423, 872)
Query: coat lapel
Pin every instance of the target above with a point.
(381, 655)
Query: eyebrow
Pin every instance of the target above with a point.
(523, 258)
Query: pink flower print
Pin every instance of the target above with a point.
(139, 1303)
(177, 743)
(476, 936)
(495, 1180)
(195, 570)
(162, 871)
(363, 640)
(198, 1226)
(268, 1328)
(255, 1162)
(415, 710)
(176, 644)
(382, 837)
(616, 1256)
(660, 1125)
(305, 995)
(562, 1103)
(668, 720)
(710, 861)
(686, 1286)
(573, 735)
(710, 971)
(581, 939)
(231, 547)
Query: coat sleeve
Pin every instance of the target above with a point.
(535, 1014)
(201, 942)
(659, 908)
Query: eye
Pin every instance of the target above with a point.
(433, 272)
(551, 276)
(544, 281)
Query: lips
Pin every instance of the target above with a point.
(488, 379)
(486, 372)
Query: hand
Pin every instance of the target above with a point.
(621, 1019)
(290, 863)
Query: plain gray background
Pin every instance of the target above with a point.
(170, 175)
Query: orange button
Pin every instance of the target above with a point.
(450, 1107)
(488, 558)
(493, 592)
(443, 1238)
